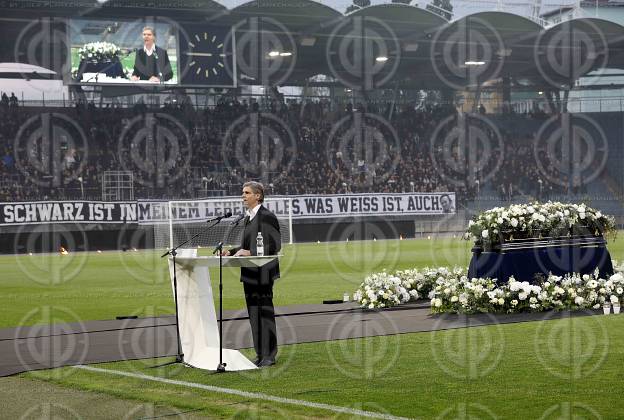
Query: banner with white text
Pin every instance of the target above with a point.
(302, 207)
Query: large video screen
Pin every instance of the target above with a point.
(114, 51)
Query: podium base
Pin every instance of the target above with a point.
(178, 359)
(233, 360)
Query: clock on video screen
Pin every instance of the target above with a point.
(206, 55)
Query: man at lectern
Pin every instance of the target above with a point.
(258, 282)
(151, 62)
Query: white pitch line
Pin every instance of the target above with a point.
(255, 395)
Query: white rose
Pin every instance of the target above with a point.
(617, 277)
(454, 299)
(501, 301)
(614, 299)
(514, 222)
(485, 233)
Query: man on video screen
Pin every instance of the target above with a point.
(151, 62)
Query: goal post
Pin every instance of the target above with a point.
(187, 218)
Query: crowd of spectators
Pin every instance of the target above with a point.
(296, 147)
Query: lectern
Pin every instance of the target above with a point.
(199, 333)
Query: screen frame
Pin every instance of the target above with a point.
(70, 81)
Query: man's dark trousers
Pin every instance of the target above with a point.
(259, 301)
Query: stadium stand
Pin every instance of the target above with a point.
(313, 170)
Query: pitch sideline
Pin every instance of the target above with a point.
(245, 394)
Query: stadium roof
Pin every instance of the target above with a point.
(381, 45)
(592, 44)
(296, 15)
(22, 68)
(479, 47)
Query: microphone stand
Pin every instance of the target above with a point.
(219, 248)
(173, 252)
(221, 366)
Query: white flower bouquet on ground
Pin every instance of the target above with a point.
(451, 291)
(381, 290)
(384, 290)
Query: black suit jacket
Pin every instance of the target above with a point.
(266, 223)
(147, 66)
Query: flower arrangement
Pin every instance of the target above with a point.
(451, 291)
(531, 220)
(384, 290)
(381, 290)
(460, 294)
(98, 51)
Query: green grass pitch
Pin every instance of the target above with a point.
(94, 286)
(568, 368)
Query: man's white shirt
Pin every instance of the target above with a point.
(252, 213)
(150, 51)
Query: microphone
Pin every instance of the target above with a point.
(218, 248)
(219, 218)
(236, 221)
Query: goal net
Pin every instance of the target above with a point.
(186, 219)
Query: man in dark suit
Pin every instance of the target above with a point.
(258, 282)
(151, 62)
